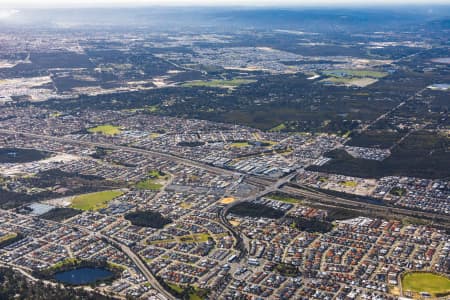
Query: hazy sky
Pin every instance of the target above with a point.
(102, 3)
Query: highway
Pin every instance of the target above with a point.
(334, 200)
(172, 157)
(215, 170)
(267, 184)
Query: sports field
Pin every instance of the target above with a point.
(435, 285)
(94, 201)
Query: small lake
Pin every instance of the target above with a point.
(83, 276)
(17, 155)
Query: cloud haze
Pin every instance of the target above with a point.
(105, 3)
(6, 13)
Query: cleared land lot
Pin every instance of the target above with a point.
(359, 78)
(356, 73)
(359, 82)
(219, 83)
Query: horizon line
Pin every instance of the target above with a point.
(232, 4)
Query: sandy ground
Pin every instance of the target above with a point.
(60, 202)
(227, 200)
(159, 81)
(313, 77)
(6, 64)
(235, 223)
(363, 82)
(60, 158)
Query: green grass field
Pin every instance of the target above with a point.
(198, 237)
(65, 262)
(154, 183)
(359, 78)
(175, 287)
(285, 199)
(95, 201)
(55, 114)
(239, 144)
(351, 81)
(152, 108)
(218, 83)
(426, 282)
(148, 184)
(194, 292)
(349, 183)
(8, 236)
(397, 191)
(105, 129)
(278, 128)
(157, 174)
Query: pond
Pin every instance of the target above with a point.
(83, 276)
(17, 155)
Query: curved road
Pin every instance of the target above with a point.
(240, 244)
(269, 184)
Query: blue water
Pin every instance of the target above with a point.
(83, 276)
